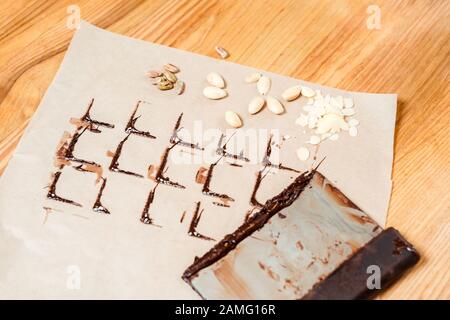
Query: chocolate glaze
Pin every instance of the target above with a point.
(194, 222)
(160, 178)
(207, 191)
(52, 191)
(131, 129)
(86, 118)
(222, 151)
(98, 207)
(255, 222)
(177, 140)
(388, 250)
(145, 216)
(114, 166)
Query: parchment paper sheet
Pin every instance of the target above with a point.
(117, 256)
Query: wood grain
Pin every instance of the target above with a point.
(326, 42)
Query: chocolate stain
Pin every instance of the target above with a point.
(175, 139)
(194, 223)
(114, 166)
(98, 206)
(131, 125)
(201, 175)
(182, 216)
(145, 216)
(52, 191)
(86, 167)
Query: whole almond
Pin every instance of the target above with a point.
(252, 78)
(256, 105)
(214, 93)
(263, 85)
(291, 93)
(308, 92)
(233, 119)
(274, 105)
(171, 68)
(215, 80)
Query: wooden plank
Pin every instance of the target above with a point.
(321, 41)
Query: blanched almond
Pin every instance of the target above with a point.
(252, 78)
(353, 122)
(233, 119)
(314, 140)
(256, 105)
(348, 103)
(353, 131)
(215, 80)
(274, 105)
(214, 93)
(263, 85)
(291, 93)
(303, 153)
(308, 92)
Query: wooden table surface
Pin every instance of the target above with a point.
(328, 42)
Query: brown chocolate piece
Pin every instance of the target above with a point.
(389, 251)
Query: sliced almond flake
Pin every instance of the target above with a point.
(307, 108)
(348, 103)
(334, 137)
(303, 154)
(325, 136)
(353, 122)
(333, 109)
(336, 102)
(348, 111)
(314, 140)
(353, 131)
(312, 121)
(302, 120)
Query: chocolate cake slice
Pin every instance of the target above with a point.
(308, 242)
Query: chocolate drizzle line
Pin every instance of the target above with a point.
(145, 217)
(194, 222)
(206, 191)
(131, 129)
(86, 118)
(114, 166)
(222, 151)
(52, 191)
(266, 160)
(253, 200)
(160, 178)
(98, 206)
(70, 149)
(259, 219)
(177, 140)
